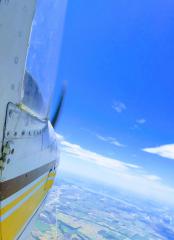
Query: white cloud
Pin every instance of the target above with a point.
(152, 177)
(105, 139)
(78, 151)
(166, 151)
(118, 144)
(110, 140)
(130, 177)
(141, 121)
(119, 106)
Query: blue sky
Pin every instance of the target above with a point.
(120, 52)
(118, 58)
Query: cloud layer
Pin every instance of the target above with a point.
(117, 173)
(166, 151)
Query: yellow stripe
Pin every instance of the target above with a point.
(49, 184)
(12, 225)
(20, 198)
(53, 174)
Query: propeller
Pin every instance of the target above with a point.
(59, 106)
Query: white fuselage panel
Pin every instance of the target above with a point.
(15, 24)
